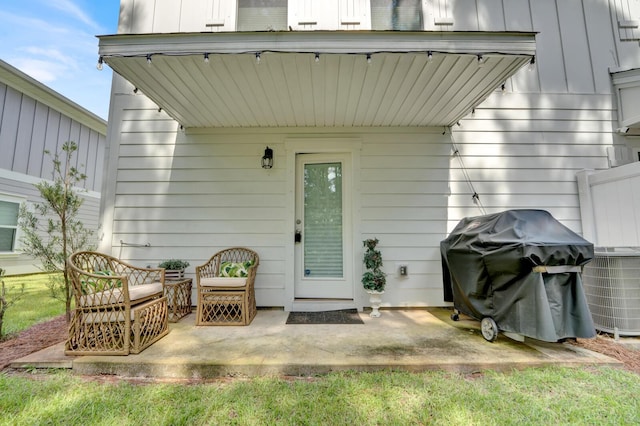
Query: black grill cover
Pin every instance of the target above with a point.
(487, 264)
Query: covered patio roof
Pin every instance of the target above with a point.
(320, 78)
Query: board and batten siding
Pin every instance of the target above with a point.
(28, 128)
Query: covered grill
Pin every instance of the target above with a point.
(518, 271)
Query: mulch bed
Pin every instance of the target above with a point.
(54, 331)
(607, 346)
(33, 339)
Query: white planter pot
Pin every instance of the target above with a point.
(375, 298)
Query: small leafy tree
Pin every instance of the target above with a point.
(52, 231)
(5, 302)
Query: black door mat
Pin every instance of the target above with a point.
(345, 316)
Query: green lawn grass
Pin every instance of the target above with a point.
(33, 306)
(596, 396)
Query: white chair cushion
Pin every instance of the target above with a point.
(223, 282)
(137, 292)
(111, 297)
(108, 297)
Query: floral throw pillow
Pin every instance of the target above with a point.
(235, 269)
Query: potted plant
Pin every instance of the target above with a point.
(174, 268)
(373, 279)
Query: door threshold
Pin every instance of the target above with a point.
(320, 305)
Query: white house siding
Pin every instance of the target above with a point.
(190, 194)
(28, 127)
(180, 192)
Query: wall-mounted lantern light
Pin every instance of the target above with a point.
(267, 158)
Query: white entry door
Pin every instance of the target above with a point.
(323, 269)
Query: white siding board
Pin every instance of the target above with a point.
(464, 14)
(583, 114)
(23, 136)
(507, 125)
(3, 100)
(166, 17)
(193, 15)
(551, 65)
(184, 213)
(538, 162)
(140, 16)
(549, 101)
(517, 15)
(38, 137)
(533, 137)
(491, 16)
(64, 131)
(204, 188)
(204, 174)
(203, 239)
(524, 150)
(575, 47)
(600, 40)
(9, 129)
(432, 226)
(93, 167)
(183, 227)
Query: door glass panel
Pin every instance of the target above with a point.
(322, 233)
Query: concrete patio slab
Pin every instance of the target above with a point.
(407, 340)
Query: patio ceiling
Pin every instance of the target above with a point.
(401, 85)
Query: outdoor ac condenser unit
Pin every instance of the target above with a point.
(612, 285)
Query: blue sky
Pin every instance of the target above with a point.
(54, 42)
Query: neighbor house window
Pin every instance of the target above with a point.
(396, 15)
(262, 15)
(9, 208)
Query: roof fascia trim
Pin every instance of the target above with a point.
(501, 43)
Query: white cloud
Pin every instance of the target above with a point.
(70, 8)
(45, 71)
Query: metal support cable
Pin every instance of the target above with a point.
(475, 196)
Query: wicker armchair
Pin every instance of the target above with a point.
(225, 284)
(120, 308)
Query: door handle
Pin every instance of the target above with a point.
(297, 237)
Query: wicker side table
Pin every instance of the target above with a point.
(178, 294)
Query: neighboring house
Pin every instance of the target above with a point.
(34, 118)
(386, 118)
